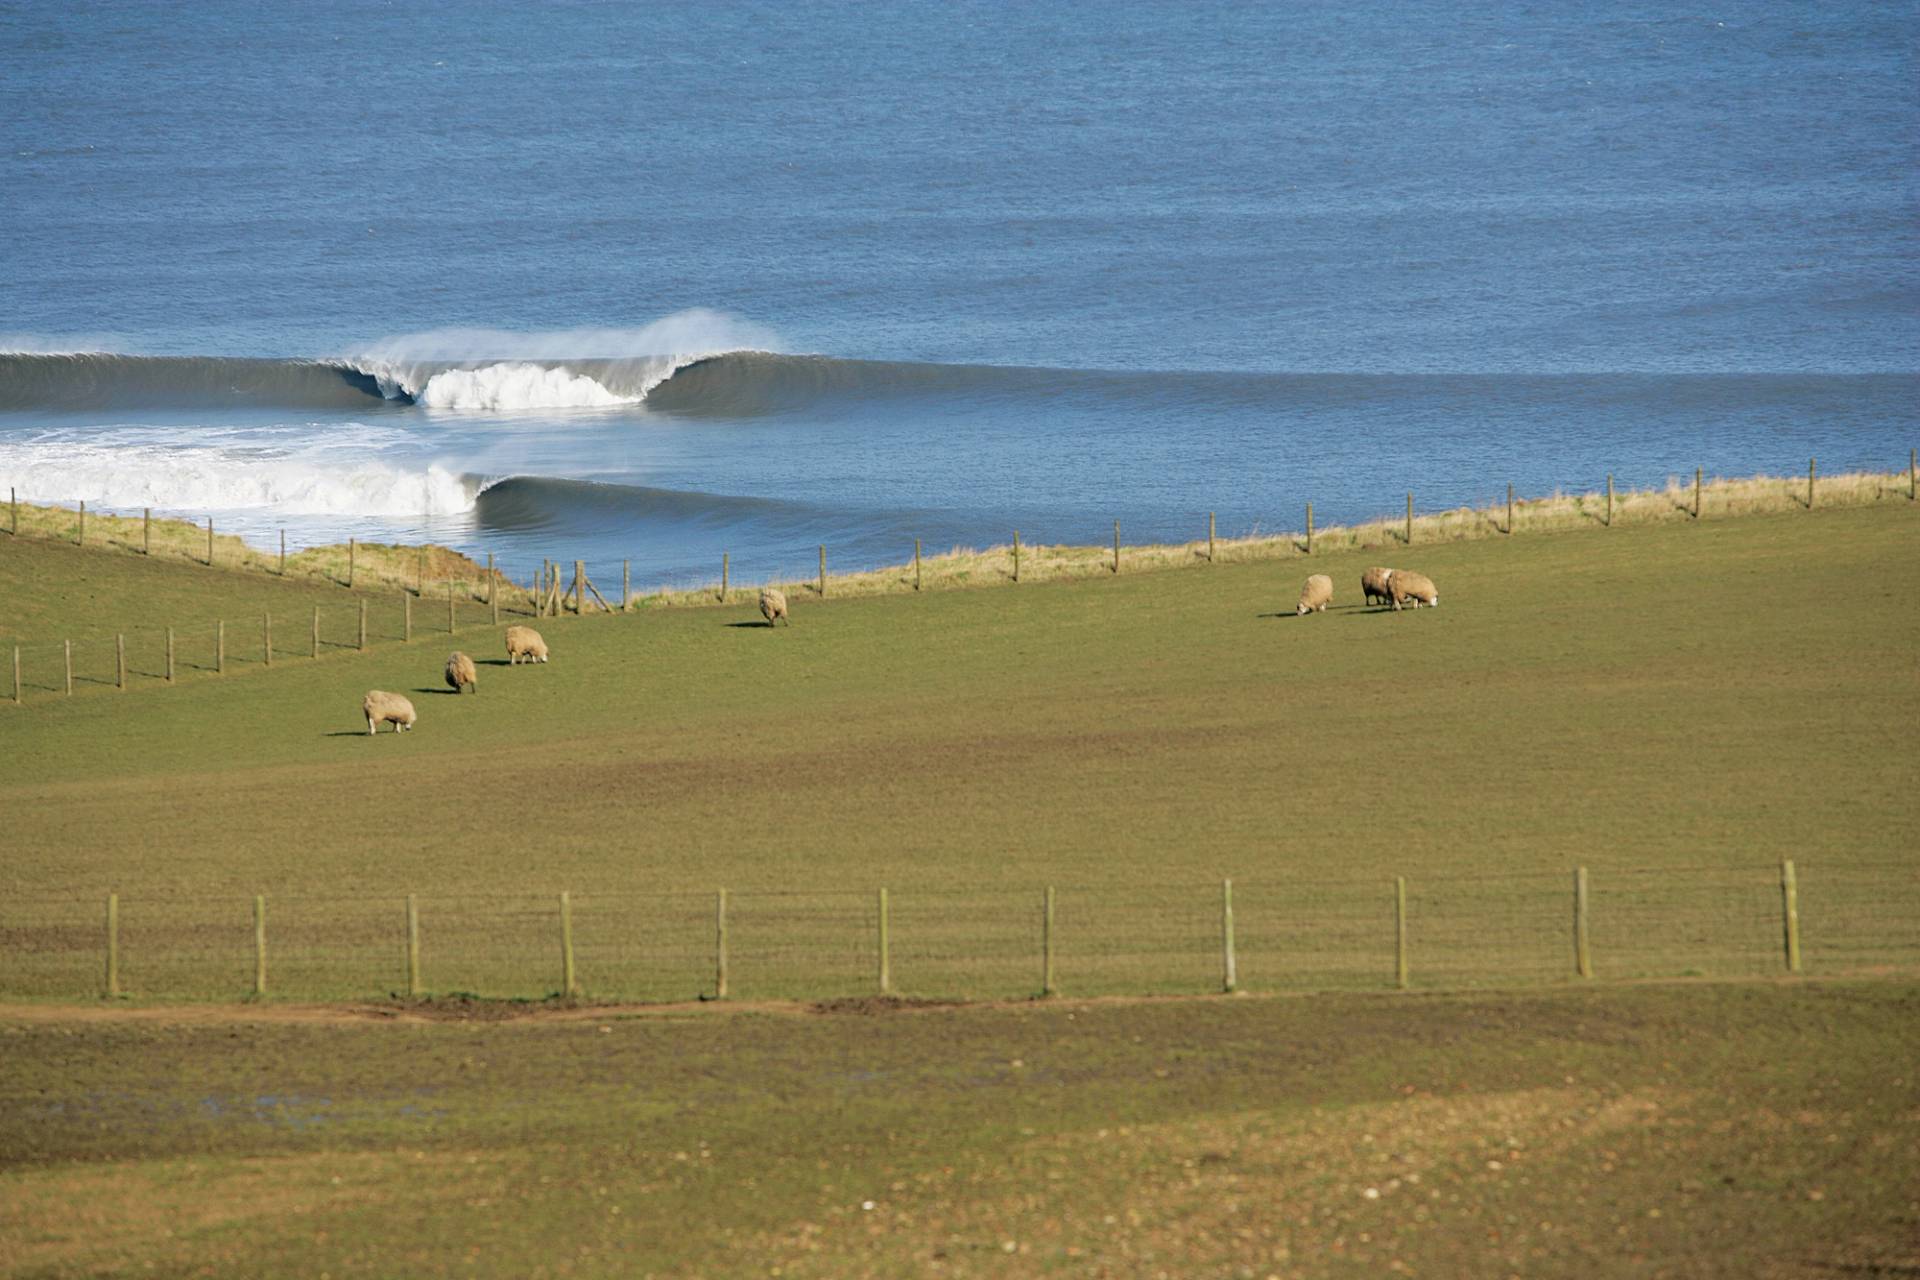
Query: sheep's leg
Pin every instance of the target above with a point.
(370, 726)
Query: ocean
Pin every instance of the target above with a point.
(659, 282)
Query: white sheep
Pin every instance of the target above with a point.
(1373, 585)
(382, 707)
(773, 605)
(1316, 595)
(460, 672)
(1417, 587)
(525, 642)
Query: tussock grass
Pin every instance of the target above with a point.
(963, 567)
(427, 569)
(430, 569)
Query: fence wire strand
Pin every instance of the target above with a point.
(1287, 935)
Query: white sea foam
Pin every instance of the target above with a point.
(201, 478)
(508, 387)
(499, 371)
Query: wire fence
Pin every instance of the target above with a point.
(1138, 939)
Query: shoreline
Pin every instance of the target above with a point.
(422, 568)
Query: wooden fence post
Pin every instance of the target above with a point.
(209, 542)
(1047, 986)
(626, 586)
(353, 553)
(1116, 546)
(220, 648)
(113, 944)
(82, 539)
(1016, 555)
(823, 571)
(570, 982)
(1609, 499)
(120, 661)
(406, 616)
(1509, 506)
(1913, 476)
(1409, 519)
(259, 944)
(283, 553)
(725, 567)
(266, 636)
(1790, 914)
(1810, 484)
(1696, 493)
(16, 675)
(1309, 528)
(916, 564)
(1400, 972)
(413, 945)
(720, 946)
(1230, 969)
(1209, 537)
(1582, 949)
(493, 591)
(169, 655)
(363, 624)
(886, 964)
(316, 633)
(146, 531)
(69, 652)
(13, 500)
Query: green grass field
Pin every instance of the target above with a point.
(1736, 1130)
(1677, 707)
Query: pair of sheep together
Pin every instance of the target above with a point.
(1396, 586)
(382, 707)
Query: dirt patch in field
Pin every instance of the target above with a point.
(871, 1006)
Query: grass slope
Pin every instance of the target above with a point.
(1593, 1133)
(1708, 697)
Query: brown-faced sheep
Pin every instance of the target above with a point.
(382, 707)
(1417, 587)
(1316, 595)
(773, 605)
(525, 642)
(1373, 585)
(460, 673)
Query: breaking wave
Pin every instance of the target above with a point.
(171, 478)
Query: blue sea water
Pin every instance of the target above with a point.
(654, 282)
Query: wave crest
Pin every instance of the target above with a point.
(507, 387)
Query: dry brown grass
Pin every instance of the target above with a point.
(430, 569)
(427, 569)
(1559, 512)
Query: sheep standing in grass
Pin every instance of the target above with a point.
(1417, 587)
(525, 642)
(382, 707)
(460, 673)
(1316, 595)
(1373, 585)
(773, 605)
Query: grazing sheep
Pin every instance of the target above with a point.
(1316, 595)
(525, 642)
(460, 673)
(1417, 587)
(1373, 585)
(773, 605)
(382, 707)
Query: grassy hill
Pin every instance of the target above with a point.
(1676, 707)
(1643, 700)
